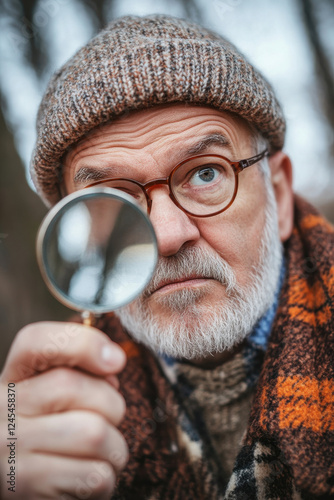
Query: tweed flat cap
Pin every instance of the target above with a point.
(137, 63)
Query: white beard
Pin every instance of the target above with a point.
(196, 330)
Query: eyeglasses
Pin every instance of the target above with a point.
(201, 186)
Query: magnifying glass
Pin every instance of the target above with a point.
(97, 251)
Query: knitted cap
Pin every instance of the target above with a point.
(139, 62)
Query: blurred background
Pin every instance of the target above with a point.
(291, 42)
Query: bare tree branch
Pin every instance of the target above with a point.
(192, 10)
(98, 9)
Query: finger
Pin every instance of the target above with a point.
(50, 476)
(113, 380)
(40, 346)
(79, 434)
(61, 389)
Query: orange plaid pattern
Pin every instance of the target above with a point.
(306, 402)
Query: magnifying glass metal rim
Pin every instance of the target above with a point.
(45, 226)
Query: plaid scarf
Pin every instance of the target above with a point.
(289, 446)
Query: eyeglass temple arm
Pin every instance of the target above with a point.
(247, 163)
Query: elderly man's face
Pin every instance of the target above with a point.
(146, 145)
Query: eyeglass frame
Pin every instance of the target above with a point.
(237, 166)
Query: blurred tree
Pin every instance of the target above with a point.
(324, 70)
(99, 9)
(23, 295)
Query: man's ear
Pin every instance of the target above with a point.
(281, 178)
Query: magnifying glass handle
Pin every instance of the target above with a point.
(88, 318)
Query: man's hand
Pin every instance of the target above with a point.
(67, 409)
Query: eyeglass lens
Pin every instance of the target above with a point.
(202, 185)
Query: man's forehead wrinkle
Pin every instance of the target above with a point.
(93, 172)
(78, 152)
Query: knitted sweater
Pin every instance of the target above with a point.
(221, 400)
(288, 449)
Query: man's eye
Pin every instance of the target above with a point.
(205, 175)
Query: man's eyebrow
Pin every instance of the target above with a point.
(92, 174)
(215, 139)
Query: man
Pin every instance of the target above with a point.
(228, 383)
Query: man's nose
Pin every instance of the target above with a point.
(172, 226)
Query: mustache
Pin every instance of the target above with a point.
(192, 262)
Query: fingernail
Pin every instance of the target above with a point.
(112, 355)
